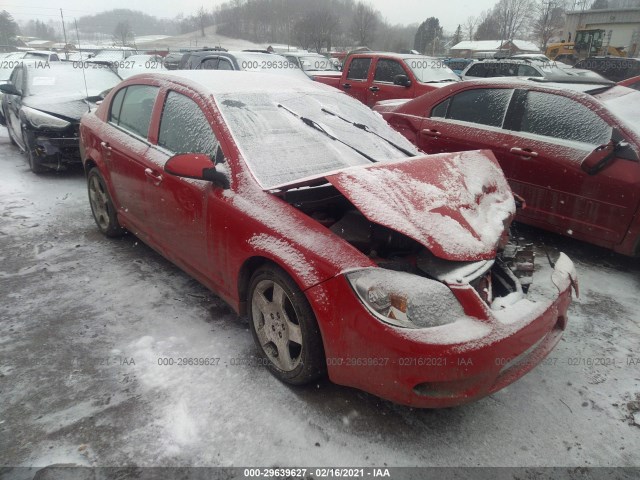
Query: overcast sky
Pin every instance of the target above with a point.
(450, 12)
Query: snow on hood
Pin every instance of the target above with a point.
(455, 204)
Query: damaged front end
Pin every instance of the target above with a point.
(448, 281)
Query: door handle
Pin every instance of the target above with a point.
(346, 86)
(106, 146)
(156, 178)
(431, 133)
(523, 152)
(374, 89)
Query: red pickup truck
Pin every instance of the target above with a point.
(372, 76)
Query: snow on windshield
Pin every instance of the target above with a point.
(67, 80)
(626, 108)
(280, 148)
(428, 69)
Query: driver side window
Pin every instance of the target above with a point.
(184, 128)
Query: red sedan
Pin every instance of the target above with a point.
(350, 252)
(571, 151)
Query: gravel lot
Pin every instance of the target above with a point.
(84, 320)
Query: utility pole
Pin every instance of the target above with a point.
(64, 31)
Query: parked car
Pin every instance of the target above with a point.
(512, 67)
(245, 60)
(633, 82)
(42, 107)
(371, 76)
(457, 65)
(172, 60)
(139, 64)
(570, 150)
(313, 63)
(349, 251)
(615, 69)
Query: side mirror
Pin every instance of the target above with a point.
(9, 89)
(402, 80)
(197, 166)
(599, 158)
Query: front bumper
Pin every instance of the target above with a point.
(486, 350)
(55, 146)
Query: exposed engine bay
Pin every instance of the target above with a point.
(508, 273)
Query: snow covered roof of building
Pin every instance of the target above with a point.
(489, 45)
(478, 45)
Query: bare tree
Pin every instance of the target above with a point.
(488, 26)
(549, 21)
(512, 16)
(365, 23)
(202, 19)
(316, 30)
(123, 33)
(470, 26)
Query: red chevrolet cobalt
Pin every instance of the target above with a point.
(351, 253)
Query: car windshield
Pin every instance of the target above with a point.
(280, 148)
(624, 106)
(314, 63)
(430, 70)
(67, 80)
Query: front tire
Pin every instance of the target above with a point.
(284, 327)
(104, 213)
(34, 162)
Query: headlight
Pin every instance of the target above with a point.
(405, 300)
(43, 120)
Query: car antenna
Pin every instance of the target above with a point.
(84, 77)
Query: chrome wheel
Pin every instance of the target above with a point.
(104, 213)
(276, 325)
(99, 202)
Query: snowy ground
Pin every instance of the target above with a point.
(84, 320)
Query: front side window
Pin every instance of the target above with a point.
(386, 70)
(184, 128)
(561, 117)
(209, 64)
(224, 64)
(359, 69)
(136, 109)
(486, 106)
(116, 106)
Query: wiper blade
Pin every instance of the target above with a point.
(315, 125)
(364, 127)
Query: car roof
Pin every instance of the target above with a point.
(576, 84)
(227, 81)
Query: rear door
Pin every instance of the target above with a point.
(468, 120)
(554, 133)
(382, 88)
(124, 150)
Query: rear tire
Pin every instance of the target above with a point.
(104, 213)
(284, 327)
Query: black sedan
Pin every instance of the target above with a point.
(42, 104)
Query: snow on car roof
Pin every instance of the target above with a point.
(219, 82)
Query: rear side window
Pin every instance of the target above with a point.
(486, 106)
(560, 117)
(184, 128)
(477, 70)
(359, 69)
(136, 109)
(116, 106)
(386, 70)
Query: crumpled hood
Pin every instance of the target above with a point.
(455, 204)
(69, 107)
